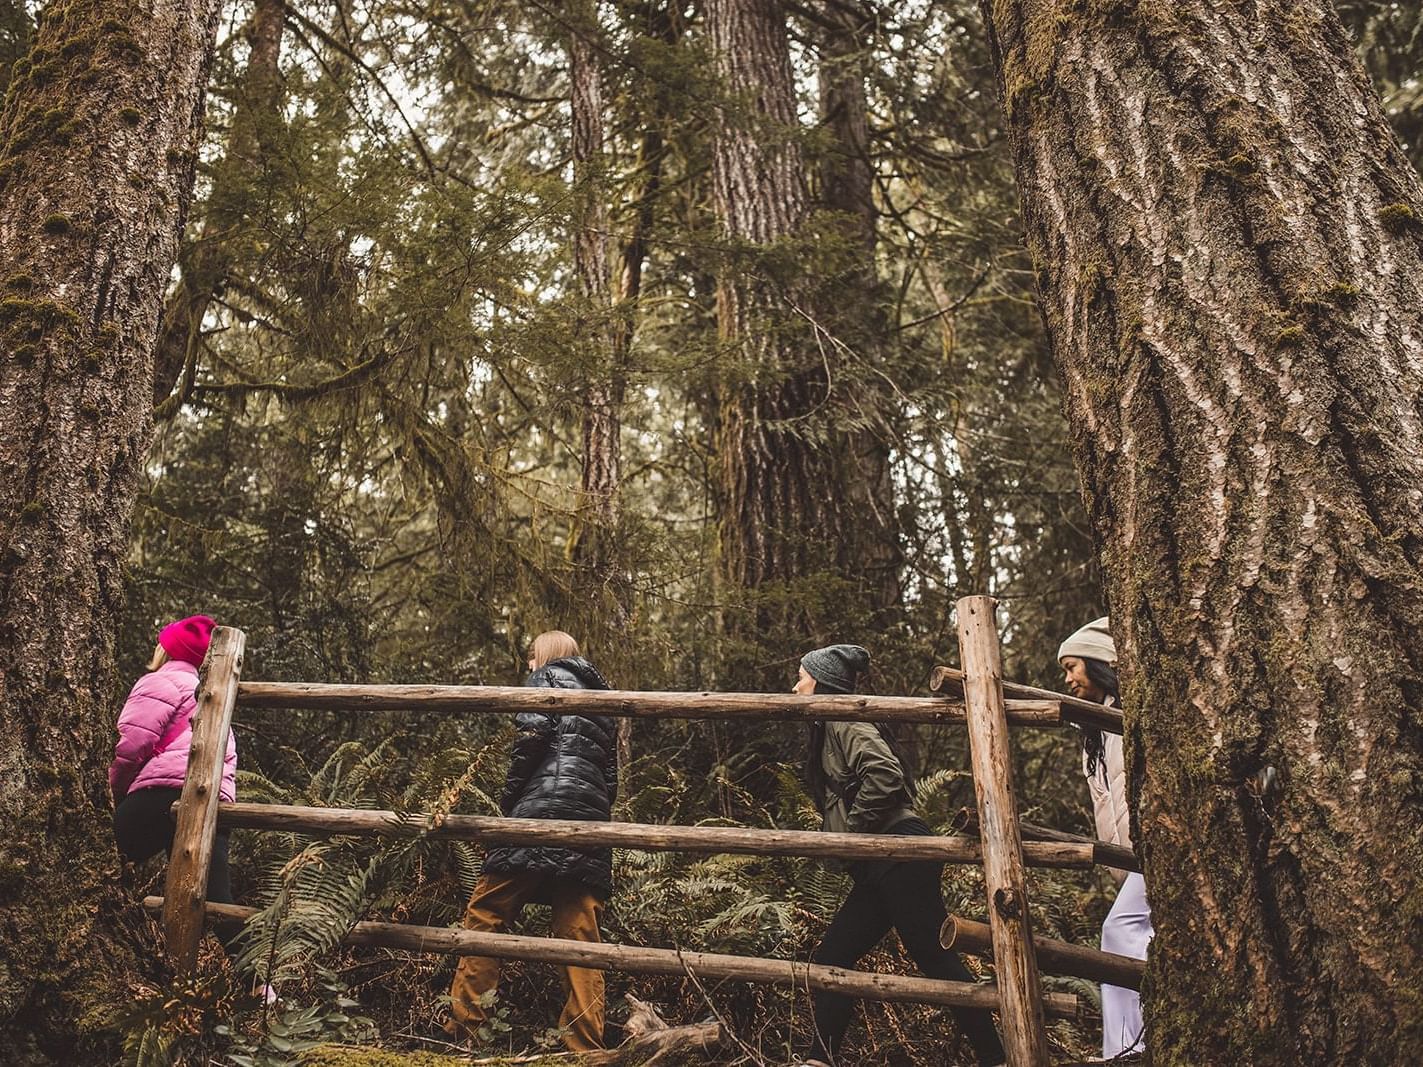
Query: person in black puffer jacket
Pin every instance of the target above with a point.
(563, 767)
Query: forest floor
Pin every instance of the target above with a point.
(365, 1056)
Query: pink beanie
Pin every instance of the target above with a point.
(188, 639)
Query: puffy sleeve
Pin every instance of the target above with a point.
(535, 731)
(147, 714)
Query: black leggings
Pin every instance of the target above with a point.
(143, 827)
(907, 898)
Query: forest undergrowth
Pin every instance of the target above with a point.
(309, 892)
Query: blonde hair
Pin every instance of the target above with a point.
(551, 645)
(160, 657)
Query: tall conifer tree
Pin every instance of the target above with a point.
(98, 139)
(1229, 243)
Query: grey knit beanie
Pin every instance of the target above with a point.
(836, 668)
(1093, 641)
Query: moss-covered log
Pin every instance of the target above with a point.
(98, 137)
(1229, 244)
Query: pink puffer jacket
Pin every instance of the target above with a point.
(153, 707)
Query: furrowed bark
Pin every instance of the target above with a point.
(98, 137)
(786, 522)
(1229, 242)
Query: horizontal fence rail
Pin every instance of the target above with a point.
(1104, 853)
(651, 837)
(1054, 957)
(1075, 710)
(864, 985)
(504, 699)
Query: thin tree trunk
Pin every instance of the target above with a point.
(857, 313)
(602, 407)
(1229, 241)
(100, 131)
(601, 485)
(216, 249)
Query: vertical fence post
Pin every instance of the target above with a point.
(1020, 990)
(186, 892)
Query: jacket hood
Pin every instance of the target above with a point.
(571, 672)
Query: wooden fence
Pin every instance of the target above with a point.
(1004, 847)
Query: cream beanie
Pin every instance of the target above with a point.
(1093, 641)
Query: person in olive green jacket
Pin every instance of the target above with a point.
(861, 783)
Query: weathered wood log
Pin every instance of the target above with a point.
(503, 700)
(630, 959)
(1104, 853)
(652, 837)
(1074, 709)
(1054, 957)
(196, 808)
(1021, 1011)
(645, 1045)
(648, 1040)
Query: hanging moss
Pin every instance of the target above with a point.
(57, 225)
(1291, 336)
(130, 116)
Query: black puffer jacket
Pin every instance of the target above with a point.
(564, 767)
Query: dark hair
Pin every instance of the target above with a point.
(815, 763)
(1104, 676)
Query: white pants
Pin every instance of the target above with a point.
(1126, 931)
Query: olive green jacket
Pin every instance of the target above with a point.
(865, 791)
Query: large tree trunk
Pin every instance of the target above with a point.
(785, 512)
(1230, 250)
(100, 132)
(858, 313)
(226, 226)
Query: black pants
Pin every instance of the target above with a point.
(143, 827)
(907, 898)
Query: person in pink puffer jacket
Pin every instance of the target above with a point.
(151, 757)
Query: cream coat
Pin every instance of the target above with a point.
(1109, 795)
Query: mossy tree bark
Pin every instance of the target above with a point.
(789, 532)
(98, 138)
(1229, 242)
